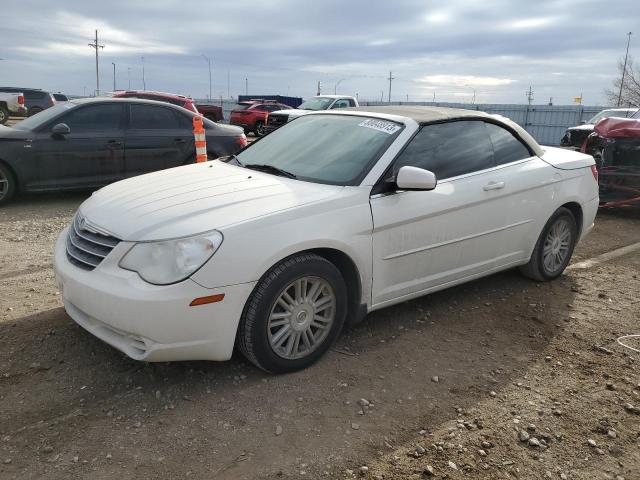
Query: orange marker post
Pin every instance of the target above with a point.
(200, 139)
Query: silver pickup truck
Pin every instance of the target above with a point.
(11, 104)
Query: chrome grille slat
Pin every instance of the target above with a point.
(86, 249)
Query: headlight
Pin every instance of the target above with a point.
(170, 261)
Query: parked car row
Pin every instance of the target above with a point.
(89, 143)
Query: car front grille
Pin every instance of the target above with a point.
(86, 247)
(277, 120)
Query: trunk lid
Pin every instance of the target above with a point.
(565, 159)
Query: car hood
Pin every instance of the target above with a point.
(8, 133)
(293, 112)
(193, 199)
(586, 126)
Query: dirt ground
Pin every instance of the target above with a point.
(509, 355)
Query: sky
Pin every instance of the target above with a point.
(447, 51)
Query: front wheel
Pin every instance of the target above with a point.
(260, 129)
(294, 314)
(554, 247)
(7, 184)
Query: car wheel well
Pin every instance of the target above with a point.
(351, 275)
(349, 271)
(576, 210)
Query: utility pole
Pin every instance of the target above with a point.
(624, 69)
(97, 46)
(319, 90)
(144, 83)
(114, 76)
(529, 101)
(129, 76)
(529, 95)
(209, 62)
(246, 86)
(390, 79)
(335, 87)
(382, 95)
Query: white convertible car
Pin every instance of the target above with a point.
(330, 217)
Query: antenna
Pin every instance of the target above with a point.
(95, 45)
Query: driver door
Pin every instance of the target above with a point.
(91, 155)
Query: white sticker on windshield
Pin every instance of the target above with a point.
(381, 125)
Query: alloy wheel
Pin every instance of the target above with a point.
(301, 317)
(556, 246)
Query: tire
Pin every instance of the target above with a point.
(7, 184)
(266, 323)
(260, 129)
(560, 235)
(4, 115)
(33, 111)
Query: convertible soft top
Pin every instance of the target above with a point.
(424, 115)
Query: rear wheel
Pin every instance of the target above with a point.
(4, 115)
(554, 247)
(260, 129)
(7, 184)
(294, 314)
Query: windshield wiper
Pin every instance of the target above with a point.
(234, 158)
(270, 169)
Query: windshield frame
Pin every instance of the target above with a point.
(356, 181)
(60, 109)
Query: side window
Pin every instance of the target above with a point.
(93, 118)
(449, 149)
(151, 117)
(342, 103)
(352, 102)
(506, 147)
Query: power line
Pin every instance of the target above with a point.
(624, 68)
(95, 45)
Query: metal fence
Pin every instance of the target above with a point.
(546, 123)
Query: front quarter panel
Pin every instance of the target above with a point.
(251, 248)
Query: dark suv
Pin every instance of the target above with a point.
(35, 100)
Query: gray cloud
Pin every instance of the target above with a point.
(560, 47)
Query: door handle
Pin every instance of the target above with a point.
(493, 186)
(114, 143)
(180, 140)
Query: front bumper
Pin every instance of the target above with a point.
(149, 322)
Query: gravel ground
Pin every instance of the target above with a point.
(414, 379)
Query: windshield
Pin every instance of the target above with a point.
(609, 113)
(44, 116)
(316, 103)
(333, 149)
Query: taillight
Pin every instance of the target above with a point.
(242, 141)
(594, 170)
(21, 99)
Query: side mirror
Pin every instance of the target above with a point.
(61, 129)
(414, 178)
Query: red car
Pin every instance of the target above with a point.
(252, 115)
(180, 100)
